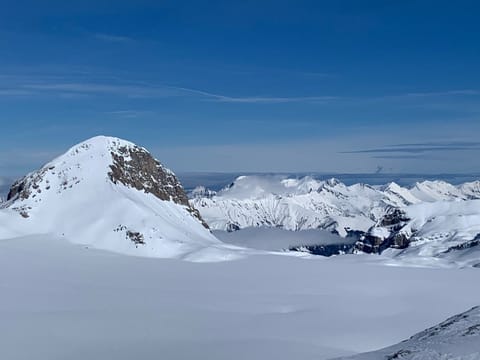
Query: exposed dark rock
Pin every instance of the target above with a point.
(231, 227)
(466, 245)
(17, 190)
(136, 237)
(23, 188)
(399, 354)
(394, 221)
(472, 330)
(394, 217)
(325, 250)
(369, 244)
(135, 167)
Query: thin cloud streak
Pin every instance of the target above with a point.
(411, 150)
(440, 143)
(165, 91)
(112, 38)
(22, 87)
(256, 99)
(130, 114)
(418, 148)
(97, 88)
(402, 157)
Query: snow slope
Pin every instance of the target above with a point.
(442, 230)
(110, 194)
(457, 338)
(62, 301)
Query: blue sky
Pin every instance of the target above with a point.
(328, 86)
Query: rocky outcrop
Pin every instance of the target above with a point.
(137, 168)
(325, 250)
(388, 233)
(464, 246)
(28, 186)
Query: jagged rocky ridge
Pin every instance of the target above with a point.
(381, 217)
(457, 338)
(111, 194)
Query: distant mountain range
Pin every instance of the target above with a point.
(218, 180)
(428, 219)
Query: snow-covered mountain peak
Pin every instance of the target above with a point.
(99, 160)
(101, 144)
(436, 190)
(111, 194)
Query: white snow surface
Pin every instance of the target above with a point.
(64, 301)
(75, 199)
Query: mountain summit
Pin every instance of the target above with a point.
(111, 194)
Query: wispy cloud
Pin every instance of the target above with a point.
(257, 99)
(83, 84)
(129, 114)
(400, 157)
(454, 93)
(112, 38)
(14, 92)
(444, 93)
(102, 88)
(417, 148)
(143, 90)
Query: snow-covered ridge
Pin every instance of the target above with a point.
(429, 217)
(111, 194)
(298, 204)
(455, 338)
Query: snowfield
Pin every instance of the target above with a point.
(64, 301)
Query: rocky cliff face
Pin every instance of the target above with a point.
(137, 168)
(388, 233)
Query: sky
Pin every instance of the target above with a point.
(264, 86)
